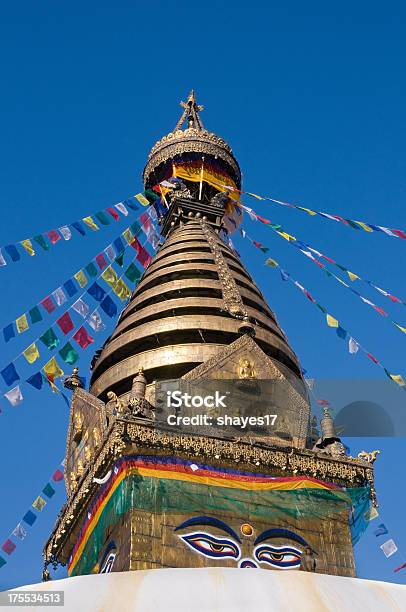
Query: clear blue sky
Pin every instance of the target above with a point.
(311, 98)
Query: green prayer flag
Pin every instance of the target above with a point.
(68, 354)
(35, 315)
(42, 242)
(102, 217)
(50, 339)
(321, 308)
(135, 228)
(120, 259)
(2, 562)
(91, 269)
(48, 490)
(132, 273)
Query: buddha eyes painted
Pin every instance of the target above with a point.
(208, 545)
(280, 557)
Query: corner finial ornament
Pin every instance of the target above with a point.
(190, 113)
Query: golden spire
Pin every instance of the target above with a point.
(190, 113)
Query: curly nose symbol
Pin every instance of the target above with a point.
(247, 563)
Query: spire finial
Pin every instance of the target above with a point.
(191, 113)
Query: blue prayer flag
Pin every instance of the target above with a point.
(8, 332)
(70, 287)
(131, 204)
(79, 228)
(29, 518)
(119, 245)
(109, 307)
(341, 333)
(10, 374)
(11, 250)
(96, 292)
(381, 530)
(36, 380)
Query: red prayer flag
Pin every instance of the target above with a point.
(48, 304)
(65, 323)
(101, 262)
(373, 358)
(394, 298)
(266, 221)
(257, 244)
(142, 254)
(323, 402)
(328, 259)
(83, 338)
(399, 233)
(57, 476)
(381, 311)
(113, 213)
(400, 567)
(8, 547)
(340, 219)
(54, 236)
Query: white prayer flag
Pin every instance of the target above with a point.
(2, 260)
(151, 212)
(310, 383)
(120, 206)
(110, 252)
(95, 321)
(81, 308)
(353, 346)
(59, 295)
(65, 231)
(14, 396)
(387, 231)
(388, 548)
(19, 532)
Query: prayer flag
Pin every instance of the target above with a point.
(110, 276)
(135, 228)
(103, 218)
(96, 292)
(29, 518)
(8, 332)
(142, 254)
(113, 213)
(31, 353)
(101, 262)
(397, 378)
(54, 236)
(11, 250)
(48, 490)
(91, 269)
(9, 374)
(42, 242)
(68, 354)
(39, 503)
(372, 358)
(364, 226)
(120, 206)
(8, 546)
(142, 199)
(2, 562)
(65, 323)
(400, 567)
(381, 530)
(79, 228)
(353, 346)
(323, 402)
(48, 304)
(27, 244)
(371, 514)
(121, 290)
(83, 338)
(341, 333)
(90, 223)
(52, 370)
(128, 236)
(70, 287)
(19, 532)
(109, 306)
(399, 233)
(57, 476)
(352, 276)
(95, 321)
(119, 245)
(403, 329)
(35, 315)
(22, 324)
(36, 380)
(120, 259)
(2, 260)
(81, 308)
(14, 396)
(388, 548)
(66, 233)
(81, 278)
(331, 321)
(59, 296)
(50, 339)
(132, 273)
(110, 252)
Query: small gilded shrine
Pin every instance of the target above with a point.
(142, 496)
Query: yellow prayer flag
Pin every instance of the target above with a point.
(39, 503)
(81, 278)
(340, 280)
(121, 290)
(403, 329)
(287, 236)
(90, 223)
(254, 195)
(142, 199)
(22, 324)
(398, 379)
(331, 321)
(352, 276)
(311, 212)
(110, 276)
(128, 236)
(364, 226)
(31, 353)
(52, 370)
(27, 244)
(271, 262)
